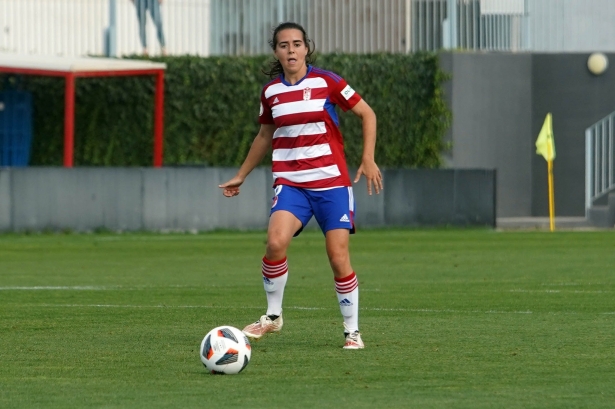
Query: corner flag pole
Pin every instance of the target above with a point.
(545, 146)
(551, 198)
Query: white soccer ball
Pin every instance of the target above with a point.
(225, 350)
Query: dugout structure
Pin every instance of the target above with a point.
(71, 68)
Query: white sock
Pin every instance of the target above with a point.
(275, 274)
(347, 290)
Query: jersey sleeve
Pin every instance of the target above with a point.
(264, 116)
(343, 95)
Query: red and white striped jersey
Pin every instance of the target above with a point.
(308, 149)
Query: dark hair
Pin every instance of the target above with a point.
(275, 66)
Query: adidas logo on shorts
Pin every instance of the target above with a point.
(345, 218)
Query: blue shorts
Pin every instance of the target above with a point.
(333, 208)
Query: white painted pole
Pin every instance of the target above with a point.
(589, 180)
(111, 32)
(281, 14)
(452, 21)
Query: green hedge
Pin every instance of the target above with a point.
(212, 105)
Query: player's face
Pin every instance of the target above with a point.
(291, 51)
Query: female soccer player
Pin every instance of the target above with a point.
(299, 122)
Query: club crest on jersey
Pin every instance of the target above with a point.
(307, 94)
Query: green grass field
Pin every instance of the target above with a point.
(450, 318)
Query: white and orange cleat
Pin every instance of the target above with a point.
(264, 325)
(353, 339)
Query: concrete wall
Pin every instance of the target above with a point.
(577, 99)
(85, 199)
(499, 102)
(490, 97)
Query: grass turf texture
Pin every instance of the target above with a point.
(450, 318)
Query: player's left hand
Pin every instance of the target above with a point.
(372, 174)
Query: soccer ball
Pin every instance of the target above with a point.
(225, 350)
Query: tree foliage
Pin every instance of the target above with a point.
(212, 106)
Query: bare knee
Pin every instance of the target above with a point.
(338, 253)
(339, 260)
(276, 247)
(282, 227)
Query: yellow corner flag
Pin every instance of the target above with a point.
(545, 146)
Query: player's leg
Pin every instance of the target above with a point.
(346, 285)
(154, 10)
(290, 212)
(334, 211)
(141, 6)
(282, 227)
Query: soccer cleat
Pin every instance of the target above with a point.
(263, 326)
(353, 339)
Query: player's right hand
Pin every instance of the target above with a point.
(231, 188)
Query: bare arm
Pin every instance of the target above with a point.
(258, 150)
(368, 164)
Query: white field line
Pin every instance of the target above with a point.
(73, 288)
(163, 306)
(135, 287)
(447, 311)
(226, 307)
(419, 310)
(103, 288)
(569, 284)
(94, 287)
(560, 291)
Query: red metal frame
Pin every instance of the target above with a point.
(69, 120)
(69, 104)
(159, 119)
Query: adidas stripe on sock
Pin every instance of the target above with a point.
(275, 274)
(347, 290)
